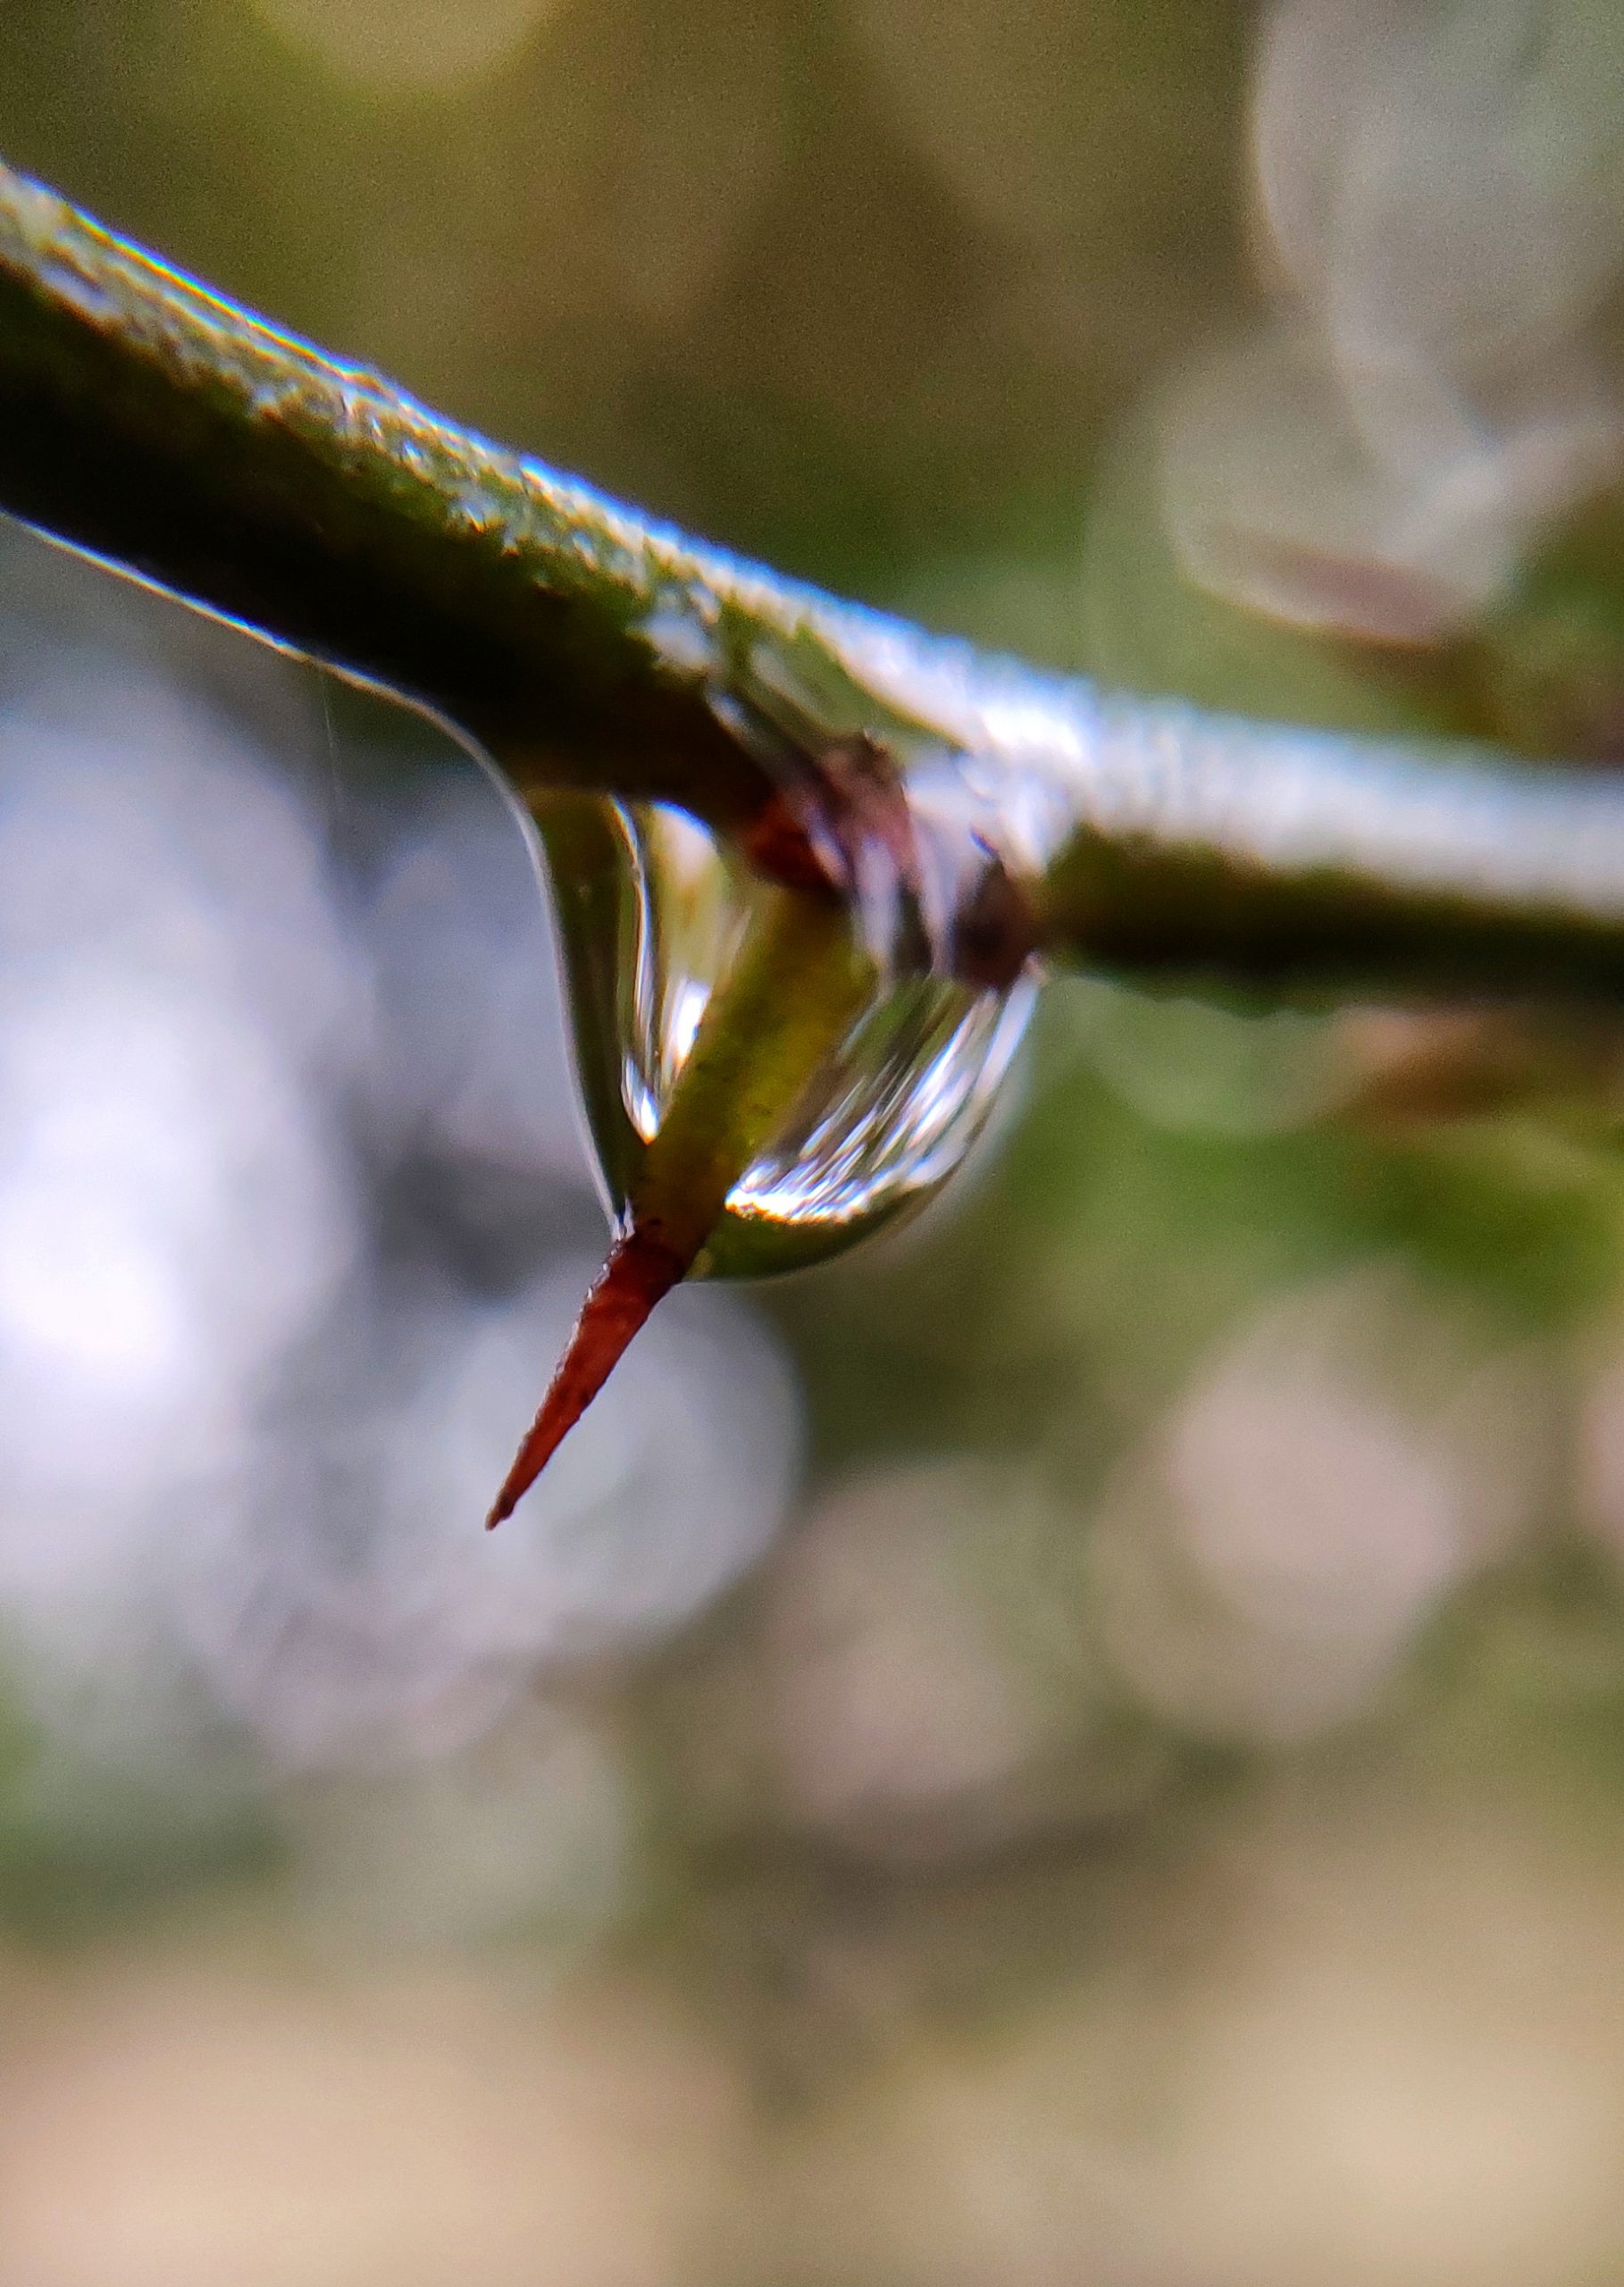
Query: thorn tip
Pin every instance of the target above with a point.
(641, 1267)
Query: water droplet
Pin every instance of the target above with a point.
(762, 1087)
(651, 916)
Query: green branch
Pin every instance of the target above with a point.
(157, 424)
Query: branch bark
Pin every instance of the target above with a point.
(151, 422)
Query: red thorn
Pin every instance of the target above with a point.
(641, 1267)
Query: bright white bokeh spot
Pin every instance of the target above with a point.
(1443, 188)
(350, 1608)
(253, 1424)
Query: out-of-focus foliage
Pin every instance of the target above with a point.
(1082, 1743)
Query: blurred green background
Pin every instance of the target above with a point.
(1082, 1743)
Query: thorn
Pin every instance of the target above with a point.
(641, 1270)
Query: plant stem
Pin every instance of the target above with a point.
(154, 423)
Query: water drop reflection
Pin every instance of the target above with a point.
(652, 914)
